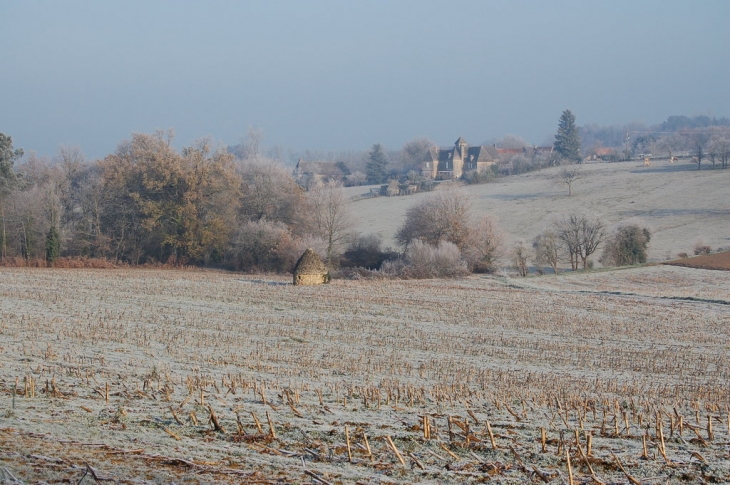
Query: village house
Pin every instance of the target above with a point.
(454, 162)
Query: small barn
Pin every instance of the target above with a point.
(310, 270)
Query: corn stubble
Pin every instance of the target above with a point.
(211, 377)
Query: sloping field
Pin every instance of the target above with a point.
(679, 203)
(203, 377)
(653, 281)
(719, 261)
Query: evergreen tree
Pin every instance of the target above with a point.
(567, 141)
(53, 245)
(8, 180)
(7, 158)
(375, 168)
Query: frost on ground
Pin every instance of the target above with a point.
(149, 376)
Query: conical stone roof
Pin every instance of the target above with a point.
(310, 263)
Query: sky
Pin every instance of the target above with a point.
(343, 75)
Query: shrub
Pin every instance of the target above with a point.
(365, 252)
(548, 250)
(446, 216)
(442, 216)
(519, 258)
(442, 261)
(485, 246)
(393, 188)
(626, 246)
(394, 268)
(478, 176)
(255, 244)
(702, 248)
(269, 246)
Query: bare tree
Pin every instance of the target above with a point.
(446, 216)
(414, 152)
(698, 141)
(720, 146)
(519, 258)
(332, 218)
(250, 146)
(86, 203)
(27, 223)
(512, 141)
(568, 175)
(443, 216)
(581, 235)
(269, 192)
(485, 246)
(442, 260)
(356, 178)
(393, 188)
(548, 249)
(671, 144)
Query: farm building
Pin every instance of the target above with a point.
(310, 270)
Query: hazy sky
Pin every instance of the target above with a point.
(346, 74)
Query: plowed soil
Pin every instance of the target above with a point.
(718, 261)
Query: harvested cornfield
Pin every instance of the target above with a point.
(153, 376)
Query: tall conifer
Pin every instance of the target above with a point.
(567, 141)
(375, 168)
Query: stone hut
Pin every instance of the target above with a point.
(310, 270)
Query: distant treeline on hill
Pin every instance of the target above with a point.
(677, 123)
(696, 135)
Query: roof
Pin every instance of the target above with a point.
(433, 154)
(478, 154)
(481, 154)
(511, 151)
(310, 263)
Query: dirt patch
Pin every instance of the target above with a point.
(718, 261)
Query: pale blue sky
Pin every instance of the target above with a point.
(336, 75)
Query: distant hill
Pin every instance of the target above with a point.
(679, 203)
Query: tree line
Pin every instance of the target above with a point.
(702, 138)
(148, 203)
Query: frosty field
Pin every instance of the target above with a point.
(148, 376)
